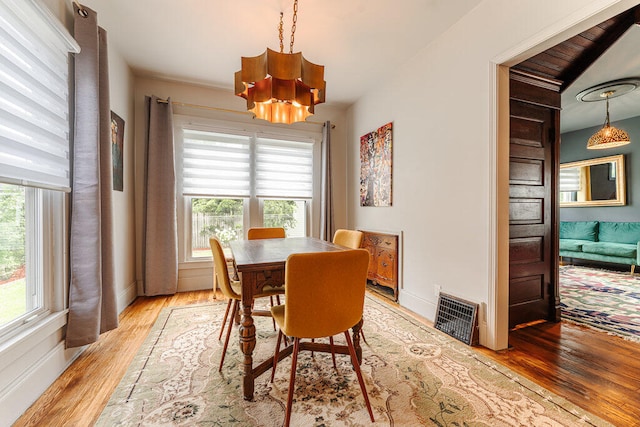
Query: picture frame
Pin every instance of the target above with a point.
(376, 155)
(117, 151)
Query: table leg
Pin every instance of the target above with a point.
(247, 335)
(356, 340)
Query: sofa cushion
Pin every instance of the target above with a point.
(611, 249)
(620, 232)
(572, 245)
(579, 230)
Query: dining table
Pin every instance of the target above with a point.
(262, 263)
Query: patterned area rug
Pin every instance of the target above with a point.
(415, 375)
(602, 299)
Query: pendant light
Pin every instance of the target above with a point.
(608, 136)
(281, 87)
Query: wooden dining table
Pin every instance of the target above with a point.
(262, 263)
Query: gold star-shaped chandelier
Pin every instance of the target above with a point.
(281, 87)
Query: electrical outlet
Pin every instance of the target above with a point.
(436, 289)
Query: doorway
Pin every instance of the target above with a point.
(612, 27)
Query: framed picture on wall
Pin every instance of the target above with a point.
(117, 146)
(375, 167)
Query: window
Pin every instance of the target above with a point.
(289, 214)
(220, 217)
(233, 180)
(21, 234)
(34, 161)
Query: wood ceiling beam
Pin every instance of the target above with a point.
(589, 56)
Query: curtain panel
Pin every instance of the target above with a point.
(160, 233)
(92, 298)
(327, 225)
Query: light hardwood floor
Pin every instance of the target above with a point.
(595, 371)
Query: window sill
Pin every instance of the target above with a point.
(15, 346)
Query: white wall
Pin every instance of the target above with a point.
(225, 106)
(443, 107)
(121, 91)
(38, 356)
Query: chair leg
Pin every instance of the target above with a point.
(362, 335)
(356, 367)
(633, 268)
(236, 303)
(292, 381)
(275, 355)
(272, 319)
(224, 320)
(333, 353)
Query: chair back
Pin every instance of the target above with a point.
(265, 233)
(220, 269)
(324, 292)
(349, 238)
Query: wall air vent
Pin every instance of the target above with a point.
(458, 318)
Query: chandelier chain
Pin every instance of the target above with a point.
(293, 26)
(281, 33)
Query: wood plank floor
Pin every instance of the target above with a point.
(598, 372)
(595, 371)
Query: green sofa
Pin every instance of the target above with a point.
(615, 242)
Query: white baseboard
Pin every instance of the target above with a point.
(417, 304)
(126, 296)
(31, 383)
(194, 284)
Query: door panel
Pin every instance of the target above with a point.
(532, 205)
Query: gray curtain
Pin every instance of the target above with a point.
(160, 236)
(327, 226)
(92, 297)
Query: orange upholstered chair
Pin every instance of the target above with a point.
(349, 238)
(232, 289)
(324, 296)
(256, 233)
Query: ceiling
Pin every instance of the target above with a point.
(621, 60)
(201, 41)
(358, 41)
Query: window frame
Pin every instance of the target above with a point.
(253, 205)
(45, 253)
(46, 201)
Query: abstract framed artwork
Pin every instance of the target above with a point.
(117, 146)
(375, 167)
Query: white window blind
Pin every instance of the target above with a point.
(216, 164)
(241, 165)
(569, 179)
(284, 168)
(34, 96)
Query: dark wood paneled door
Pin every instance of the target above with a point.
(533, 162)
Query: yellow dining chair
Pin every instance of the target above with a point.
(232, 289)
(256, 233)
(349, 238)
(324, 293)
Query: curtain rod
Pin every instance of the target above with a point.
(81, 10)
(226, 110)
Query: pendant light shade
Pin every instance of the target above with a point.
(281, 87)
(608, 136)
